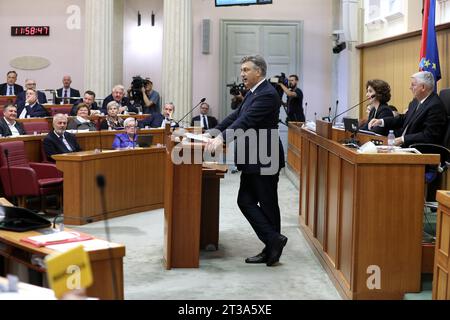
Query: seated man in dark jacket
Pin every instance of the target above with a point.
(59, 140)
(89, 100)
(21, 97)
(31, 108)
(157, 120)
(8, 124)
(118, 95)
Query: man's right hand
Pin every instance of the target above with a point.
(374, 123)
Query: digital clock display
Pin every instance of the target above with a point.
(30, 31)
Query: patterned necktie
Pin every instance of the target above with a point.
(65, 96)
(10, 91)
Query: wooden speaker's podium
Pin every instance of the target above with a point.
(191, 205)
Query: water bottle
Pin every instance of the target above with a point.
(391, 138)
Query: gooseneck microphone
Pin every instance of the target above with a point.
(6, 151)
(352, 107)
(101, 183)
(190, 111)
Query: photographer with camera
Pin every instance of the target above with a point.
(144, 98)
(294, 99)
(238, 91)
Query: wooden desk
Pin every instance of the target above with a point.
(86, 140)
(134, 182)
(441, 280)
(13, 250)
(358, 211)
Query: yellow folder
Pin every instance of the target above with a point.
(70, 270)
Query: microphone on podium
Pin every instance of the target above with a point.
(190, 111)
(351, 108)
(329, 115)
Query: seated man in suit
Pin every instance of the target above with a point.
(89, 100)
(67, 92)
(59, 140)
(21, 97)
(8, 124)
(118, 95)
(157, 120)
(31, 108)
(10, 88)
(206, 122)
(426, 118)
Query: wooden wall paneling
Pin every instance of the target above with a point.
(304, 186)
(322, 173)
(312, 187)
(332, 216)
(346, 221)
(441, 280)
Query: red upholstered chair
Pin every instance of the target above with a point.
(36, 126)
(62, 109)
(25, 178)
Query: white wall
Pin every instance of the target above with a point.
(316, 65)
(143, 45)
(64, 48)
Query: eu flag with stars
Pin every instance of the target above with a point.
(429, 54)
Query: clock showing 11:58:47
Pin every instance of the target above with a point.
(30, 31)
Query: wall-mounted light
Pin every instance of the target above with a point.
(139, 19)
(153, 19)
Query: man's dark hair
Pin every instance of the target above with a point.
(12, 71)
(91, 93)
(294, 76)
(9, 105)
(381, 88)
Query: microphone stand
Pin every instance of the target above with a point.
(9, 175)
(190, 111)
(351, 108)
(101, 183)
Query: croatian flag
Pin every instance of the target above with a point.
(429, 54)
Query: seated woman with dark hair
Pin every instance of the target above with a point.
(129, 138)
(82, 121)
(112, 121)
(380, 91)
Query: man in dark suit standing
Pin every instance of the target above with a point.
(426, 118)
(66, 92)
(59, 140)
(206, 122)
(31, 108)
(10, 88)
(8, 124)
(21, 97)
(255, 125)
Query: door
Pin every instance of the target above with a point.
(278, 42)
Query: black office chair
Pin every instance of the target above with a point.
(433, 180)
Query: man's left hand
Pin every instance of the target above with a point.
(398, 141)
(214, 144)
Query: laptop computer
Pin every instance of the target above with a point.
(21, 219)
(351, 125)
(145, 140)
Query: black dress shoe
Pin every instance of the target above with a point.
(276, 249)
(259, 258)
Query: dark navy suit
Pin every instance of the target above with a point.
(426, 125)
(258, 194)
(73, 93)
(5, 131)
(21, 97)
(383, 111)
(37, 111)
(54, 145)
(4, 89)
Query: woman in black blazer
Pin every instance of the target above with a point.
(378, 107)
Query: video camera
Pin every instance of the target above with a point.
(136, 91)
(237, 89)
(279, 79)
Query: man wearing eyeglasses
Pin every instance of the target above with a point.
(21, 97)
